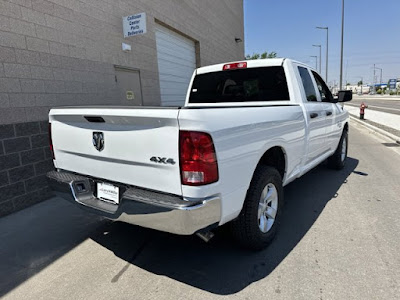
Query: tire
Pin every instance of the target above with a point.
(246, 229)
(338, 160)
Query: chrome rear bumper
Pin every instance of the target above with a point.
(141, 207)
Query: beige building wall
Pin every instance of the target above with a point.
(64, 52)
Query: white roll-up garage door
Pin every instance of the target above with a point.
(176, 57)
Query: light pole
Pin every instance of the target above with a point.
(319, 56)
(341, 48)
(362, 82)
(327, 45)
(380, 82)
(316, 61)
(373, 82)
(381, 76)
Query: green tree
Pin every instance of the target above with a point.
(263, 55)
(360, 83)
(254, 56)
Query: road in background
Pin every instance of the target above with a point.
(379, 103)
(339, 239)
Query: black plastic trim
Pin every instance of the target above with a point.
(94, 119)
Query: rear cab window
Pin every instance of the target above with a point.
(240, 85)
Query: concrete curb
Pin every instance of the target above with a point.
(376, 129)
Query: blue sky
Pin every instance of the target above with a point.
(372, 34)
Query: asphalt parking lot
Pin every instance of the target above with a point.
(339, 239)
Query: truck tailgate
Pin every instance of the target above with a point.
(132, 137)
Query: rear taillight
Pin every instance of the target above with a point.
(234, 66)
(51, 142)
(197, 158)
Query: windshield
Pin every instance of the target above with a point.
(241, 85)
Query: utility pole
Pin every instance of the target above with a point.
(327, 47)
(341, 48)
(319, 56)
(374, 81)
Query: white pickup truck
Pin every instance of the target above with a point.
(246, 130)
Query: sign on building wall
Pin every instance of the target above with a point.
(134, 25)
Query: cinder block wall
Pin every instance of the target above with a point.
(63, 52)
(24, 160)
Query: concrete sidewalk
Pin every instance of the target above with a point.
(384, 123)
(391, 121)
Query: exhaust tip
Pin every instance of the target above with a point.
(205, 236)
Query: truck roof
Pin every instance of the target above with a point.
(268, 62)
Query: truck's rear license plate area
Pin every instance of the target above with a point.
(108, 192)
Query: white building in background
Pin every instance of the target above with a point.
(352, 88)
(364, 89)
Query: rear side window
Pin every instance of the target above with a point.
(241, 85)
(308, 84)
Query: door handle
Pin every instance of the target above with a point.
(313, 115)
(329, 113)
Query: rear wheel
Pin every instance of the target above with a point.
(338, 159)
(259, 219)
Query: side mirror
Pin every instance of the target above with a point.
(345, 96)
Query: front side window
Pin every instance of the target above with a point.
(326, 95)
(308, 84)
(240, 85)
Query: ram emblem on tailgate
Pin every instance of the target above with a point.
(98, 140)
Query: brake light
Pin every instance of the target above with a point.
(233, 66)
(198, 161)
(51, 142)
